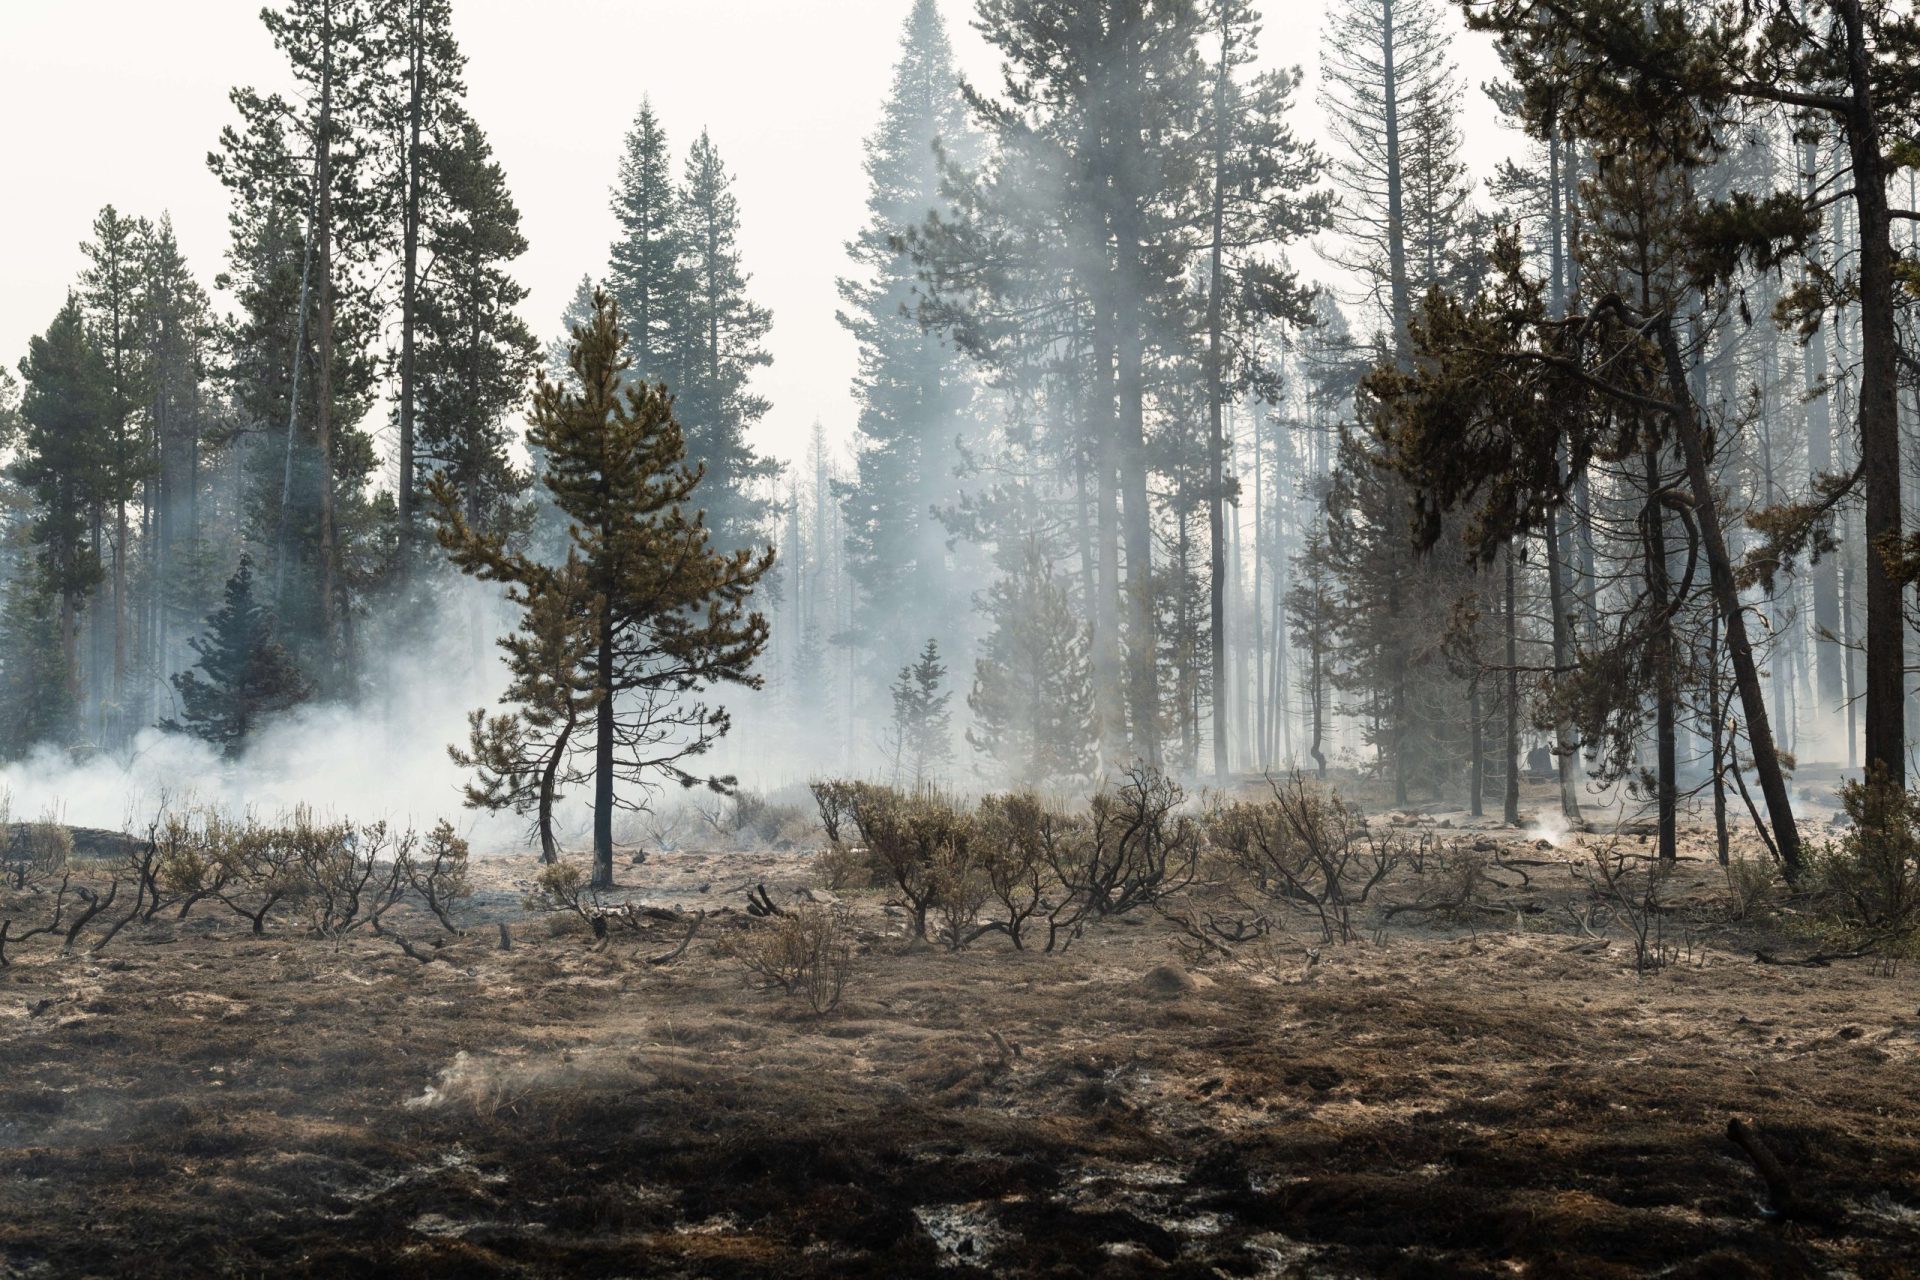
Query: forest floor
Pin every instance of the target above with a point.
(1510, 1098)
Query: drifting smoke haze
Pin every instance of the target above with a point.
(380, 757)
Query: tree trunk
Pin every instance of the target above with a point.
(1476, 751)
(603, 751)
(1216, 497)
(1659, 593)
(323, 389)
(1879, 410)
(550, 847)
(1512, 809)
(1766, 761)
(410, 281)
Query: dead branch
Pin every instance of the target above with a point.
(1779, 1186)
(760, 906)
(424, 957)
(685, 942)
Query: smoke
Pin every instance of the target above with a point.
(1549, 824)
(382, 756)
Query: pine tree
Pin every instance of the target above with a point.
(110, 290)
(307, 215)
(244, 676)
(36, 678)
(1391, 96)
(1711, 69)
(1261, 198)
(915, 392)
(10, 423)
(668, 614)
(647, 273)
(718, 346)
(1068, 264)
(475, 355)
(65, 463)
(922, 724)
(176, 327)
(414, 104)
(1032, 698)
(523, 756)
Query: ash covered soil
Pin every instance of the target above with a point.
(1509, 1098)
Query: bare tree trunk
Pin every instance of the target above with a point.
(1512, 810)
(1879, 410)
(1659, 592)
(1216, 494)
(1766, 761)
(323, 408)
(410, 281)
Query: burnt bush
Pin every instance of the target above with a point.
(806, 951)
(1302, 850)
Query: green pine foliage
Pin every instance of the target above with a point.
(916, 391)
(1032, 698)
(721, 341)
(665, 614)
(244, 676)
(646, 273)
(475, 355)
(922, 720)
(64, 464)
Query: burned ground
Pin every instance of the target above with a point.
(1506, 1098)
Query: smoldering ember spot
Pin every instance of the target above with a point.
(1032, 638)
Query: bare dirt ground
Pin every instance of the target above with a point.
(1507, 1099)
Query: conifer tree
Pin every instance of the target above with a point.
(1391, 96)
(668, 614)
(647, 273)
(522, 756)
(1032, 698)
(719, 344)
(414, 104)
(1261, 197)
(243, 677)
(1846, 73)
(110, 292)
(915, 392)
(36, 679)
(176, 325)
(64, 463)
(922, 724)
(474, 353)
(307, 216)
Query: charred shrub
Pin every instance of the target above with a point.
(806, 952)
(1134, 849)
(917, 843)
(746, 819)
(1019, 839)
(437, 873)
(1303, 849)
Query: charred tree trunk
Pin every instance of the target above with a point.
(1766, 760)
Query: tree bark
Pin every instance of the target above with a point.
(410, 269)
(1879, 412)
(1766, 760)
(1216, 496)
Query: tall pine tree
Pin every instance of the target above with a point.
(668, 614)
(720, 342)
(914, 388)
(244, 676)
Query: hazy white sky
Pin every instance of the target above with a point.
(119, 101)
